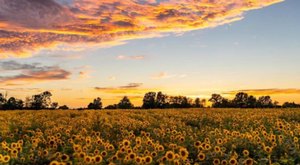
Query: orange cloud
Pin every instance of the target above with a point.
(129, 89)
(30, 73)
(29, 26)
(274, 91)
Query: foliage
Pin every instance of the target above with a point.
(96, 104)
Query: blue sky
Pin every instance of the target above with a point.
(261, 51)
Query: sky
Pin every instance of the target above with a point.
(82, 49)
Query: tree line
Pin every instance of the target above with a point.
(35, 102)
(151, 100)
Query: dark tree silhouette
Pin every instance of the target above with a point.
(149, 100)
(180, 102)
(54, 105)
(251, 102)
(2, 101)
(13, 103)
(41, 101)
(96, 104)
(265, 102)
(197, 103)
(125, 103)
(114, 106)
(161, 100)
(290, 105)
(64, 107)
(240, 100)
(219, 102)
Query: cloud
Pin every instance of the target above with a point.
(121, 57)
(274, 91)
(29, 26)
(24, 73)
(13, 65)
(131, 88)
(165, 75)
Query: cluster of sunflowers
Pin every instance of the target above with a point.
(187, 136)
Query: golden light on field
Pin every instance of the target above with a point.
(193, 136)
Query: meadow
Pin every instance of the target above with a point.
(183, 136)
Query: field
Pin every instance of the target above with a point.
(194, 136)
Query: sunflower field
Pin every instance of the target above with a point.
(187, 136)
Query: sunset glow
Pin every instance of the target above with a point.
(82, 49)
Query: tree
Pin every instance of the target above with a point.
(240, 100)
(149, 100)
(219, 102)
(96, 104)
(265, 102)
(197, 103)
(13, 103)
(41, 101)
(290, 105)
(125, 103)
(251, 102)
(54, 105)
(161, 100)
(180, 102)
(203, 102)
(64, 107)
(114, 106)
(2, 101)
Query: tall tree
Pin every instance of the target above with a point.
(240, 100)
(125, 103)
(251, 102)
(197, 102)
(265, 102)
(2, 101)
(149, 100)
(161, 100)
(41, 101)
(96, 104)
(219, 102)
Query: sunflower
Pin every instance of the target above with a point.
(224, 162)
(98, 158)
(132, 156)
(246, 153)
(233, 161)
(268, 149)
(197, 144)
(148, 159)
(183, 153)
(54, 162)
(138, 160)
(170, 155)
(103, 153)
(217, 149)
(201, 156)
(248, 161)
(87, 159)
(153, 154)
(64, 157)
(216, 161)
(126, 143)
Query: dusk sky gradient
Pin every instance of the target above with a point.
(82, 49)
